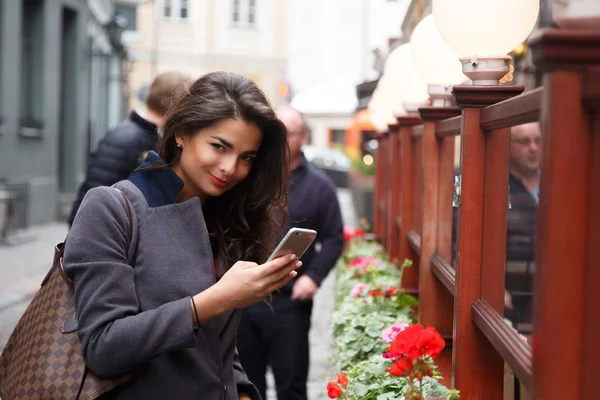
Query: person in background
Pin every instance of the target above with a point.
(124, 146)
(166, 303)
(524, 180)
(276, 334)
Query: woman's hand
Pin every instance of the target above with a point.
(244, 284)
(247, 283)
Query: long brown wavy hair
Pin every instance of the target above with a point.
(244, 221)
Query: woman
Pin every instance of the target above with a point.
(166, 305)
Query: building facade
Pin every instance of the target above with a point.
(200, 36)
(60, 67)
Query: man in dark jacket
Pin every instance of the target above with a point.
(124, 146)
(524, 182)
(278, 336)
(524, 179)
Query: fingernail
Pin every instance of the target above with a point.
(298, 264)
(293, 257)
(294, 273)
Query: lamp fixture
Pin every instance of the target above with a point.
(484, 32)
(379, 108)
(435, 61)
(409, 90)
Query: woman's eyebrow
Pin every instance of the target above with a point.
(223, 141)
(229, 145)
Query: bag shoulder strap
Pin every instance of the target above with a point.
(130, 229)
(129, 217)
(60, 248)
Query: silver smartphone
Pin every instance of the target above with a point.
(296, 241)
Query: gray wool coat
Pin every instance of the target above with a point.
(139, 318)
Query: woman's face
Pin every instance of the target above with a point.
(216, 158)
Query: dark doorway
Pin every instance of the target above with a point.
(68, 102)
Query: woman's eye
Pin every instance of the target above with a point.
(218, 146)
(248, 159)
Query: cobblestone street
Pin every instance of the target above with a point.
(25, 265)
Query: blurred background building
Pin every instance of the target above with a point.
(73, 68)
(196, 37)
(342, 48)
(61, 85)
(70, 69)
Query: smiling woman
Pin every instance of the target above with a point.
(217, 158)
(215, 138)
(160, 295)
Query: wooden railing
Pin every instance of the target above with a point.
(465, 302)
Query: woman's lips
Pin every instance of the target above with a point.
(218, 182)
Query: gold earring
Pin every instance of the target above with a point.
(179, 145)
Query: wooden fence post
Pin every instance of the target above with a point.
(407, 221)
(378, 195)
(566, 314)
(394, 200)
(478, 368)
(435, 301)
(592, 278)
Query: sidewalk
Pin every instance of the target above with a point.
(22, 270)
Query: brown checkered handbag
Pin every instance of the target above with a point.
(42, 359)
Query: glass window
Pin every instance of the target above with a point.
(251, 12)
(130, 14)
(32, 56)
(167, 9)
(243, 13)
(183, 11)
(235, 16)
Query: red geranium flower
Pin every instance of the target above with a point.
(400, 367)
(431, 343)
(391, 291)
(406, 343)
(409, 350)
(334, 390)
(349, 233)
(376, 293)
(342, 379)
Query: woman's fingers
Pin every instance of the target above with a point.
(277, 272)
(282, 281)
(286, 270)
(280, 267)
(278, 263)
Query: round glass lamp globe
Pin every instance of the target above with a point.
(376, 101)
(404, 80)
(374, 109)
(436, 62)
(485, 28)
(379, 121)
(382, 101)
